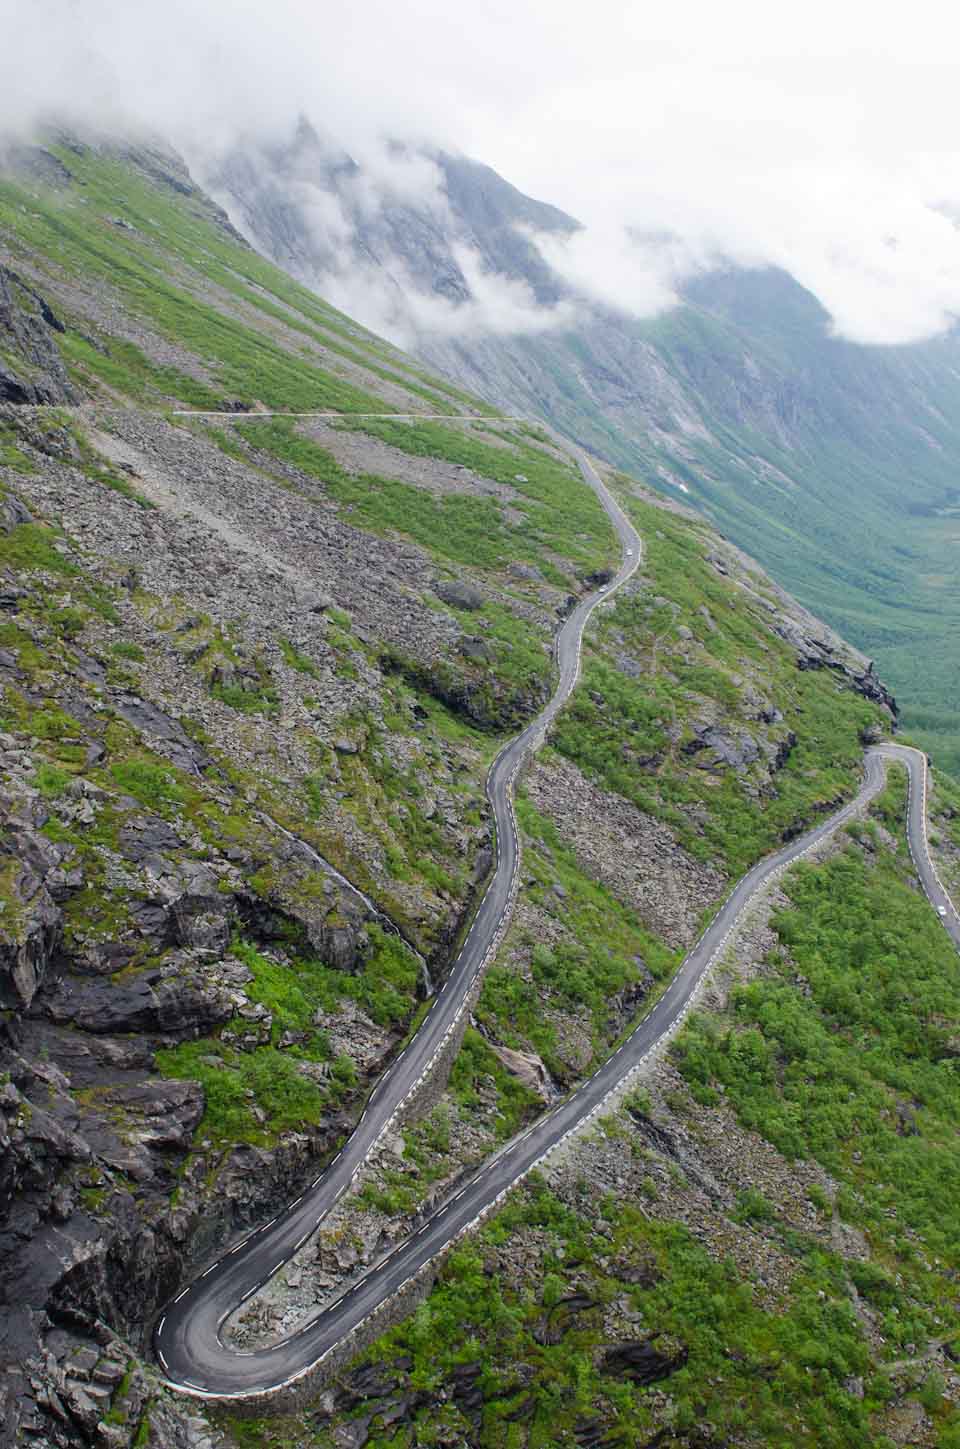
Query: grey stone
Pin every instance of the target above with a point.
(30, 923)
(33, 370)
(459, 594)
(477, 649)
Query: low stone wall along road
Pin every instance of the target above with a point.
(188, 1334)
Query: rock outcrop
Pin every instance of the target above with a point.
(31, 368)
(645, 1361)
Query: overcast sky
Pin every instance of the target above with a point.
(824, 138)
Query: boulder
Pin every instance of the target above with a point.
(203, 922)
(644, 1361)
(459, 594)
(717, 746)
(13, 513)
(156, 1000)
(528, 1069)
(146, 835)
(471, 647)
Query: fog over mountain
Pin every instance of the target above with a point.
(730, 263)
(475, 966)
(833, 156)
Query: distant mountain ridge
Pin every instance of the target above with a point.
(253, 672)
(411, 241)
(836, 464)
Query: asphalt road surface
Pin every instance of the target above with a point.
(187, 1336)
(916, 763)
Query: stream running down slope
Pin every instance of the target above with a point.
(187, 1337)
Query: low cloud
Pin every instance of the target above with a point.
(392, 304)
(831, 151)
(328, 234)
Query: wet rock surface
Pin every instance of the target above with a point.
(35, 372)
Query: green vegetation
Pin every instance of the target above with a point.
(77, 231)
(477, 1073)
(384, 986)
(124, 649)
(856, 1071)
(828, 1074)
(152, 784)
(33, 546)
(393, 808)
(254, 1095)
(245, 362)
(560, 516)
(635, 735)
(602, 950)
(249, 1096)
(775, 1377)
(563, 517)
(50, 781)
(246, 700)
(11, 456)
(848, 494)
(300, 662)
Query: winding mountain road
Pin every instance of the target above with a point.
(187, 1337)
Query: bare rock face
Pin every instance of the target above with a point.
(715, 746)
(528, 1068)
(29, 934)
(168, 733)
(160, 1000)
(459, 593)
(36, 373)
(819, 648)
(30, 920)
(645, 1361)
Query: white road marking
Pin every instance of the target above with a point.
(528, 740)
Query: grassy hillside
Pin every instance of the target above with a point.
(240, 655)
(835, 465)
(767, 1230)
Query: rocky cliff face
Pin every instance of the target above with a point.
(833, 464)
(253, 673)
(310, 207)
(31, 368)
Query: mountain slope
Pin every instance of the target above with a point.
(834, 464)
(253, 673)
